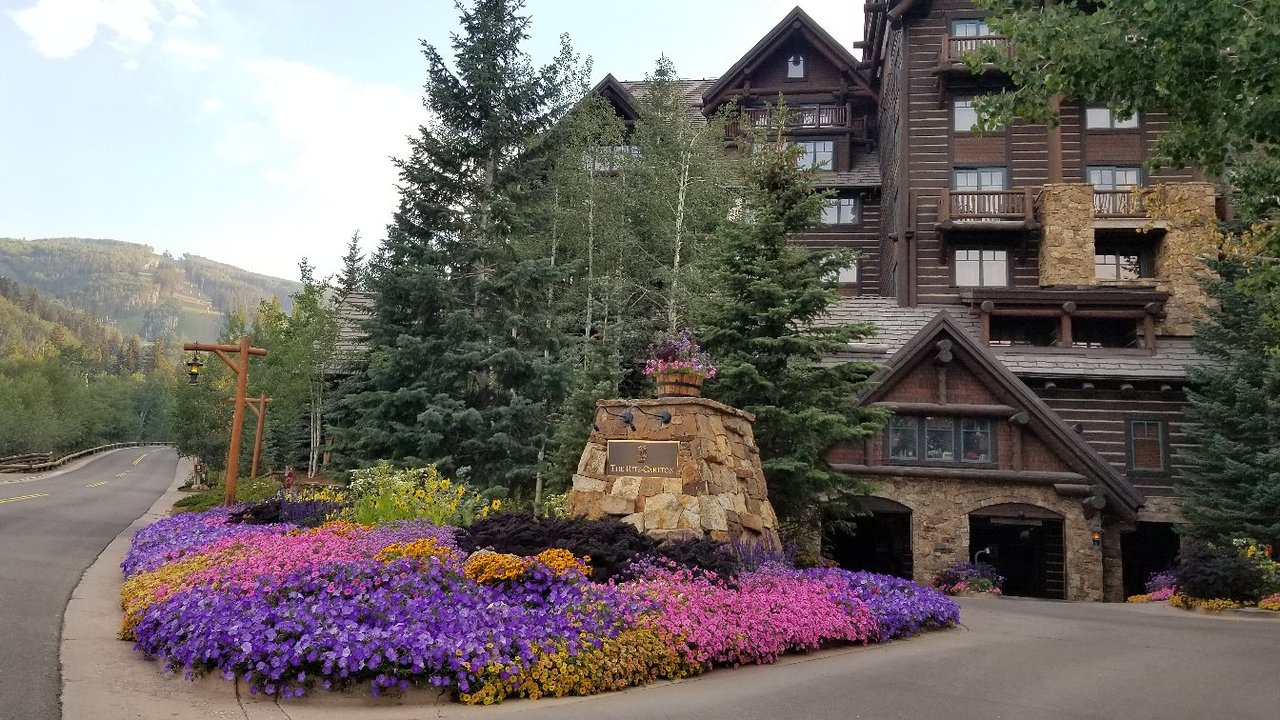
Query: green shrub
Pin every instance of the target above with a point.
(1206, 571)
(248, 490)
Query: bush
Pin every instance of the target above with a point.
(302, 511)
(611, 544)
(968, 577)
(248, 490)
(383, 493)
(1206, 571)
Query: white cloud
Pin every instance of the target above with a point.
(62, 28)
(211, 106)
(325, 143)
(198, 57)
(130, 64)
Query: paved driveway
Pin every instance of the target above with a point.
(1016, 659)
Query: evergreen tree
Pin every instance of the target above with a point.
(463, 368)
(1233, 484)
(761, 326)
(352, 275)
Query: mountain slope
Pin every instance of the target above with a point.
(136, 289)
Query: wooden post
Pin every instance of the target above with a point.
(259, 406)
(241, 368)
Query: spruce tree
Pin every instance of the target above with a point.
(1232, 487)
(352, 275)
(763, 328)
(462, 370)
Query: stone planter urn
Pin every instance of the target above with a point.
(679, 384)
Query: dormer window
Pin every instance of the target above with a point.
(795, 67)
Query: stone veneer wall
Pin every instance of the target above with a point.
(1066, 251)
(1186, 213)
(720, 492)
(1190, 221)
(940, 528)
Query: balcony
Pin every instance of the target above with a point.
(952, 57)
(986, 210)
(808, 118)
(1127, 203)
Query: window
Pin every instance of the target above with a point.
(1096, 332)
(903, 438)
(848, 275)
(795, 67)
(982, 267)
(970, 27)
(1115, 177)
(983, 178)
(1114, 260)
(963, 116)
(1146, 445)
(1011, 331)
(943, 439)
(1101, 118)
(975, 440)
(817, 153)
(840, 211)
(609, 158)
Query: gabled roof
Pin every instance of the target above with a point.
(1122, 496)
(611, 89)
(795, 20)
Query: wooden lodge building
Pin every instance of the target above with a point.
(1033, 311)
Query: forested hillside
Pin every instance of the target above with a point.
(155, 296)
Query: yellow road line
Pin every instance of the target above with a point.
(120, 475)
(140, 458)
(100, 483)
(24, 497)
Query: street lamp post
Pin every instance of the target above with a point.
(241, 367)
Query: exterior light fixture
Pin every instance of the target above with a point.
(1096, 536)
(193, 369)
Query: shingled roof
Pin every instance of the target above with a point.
(896, 325)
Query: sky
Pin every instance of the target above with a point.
(260, 132)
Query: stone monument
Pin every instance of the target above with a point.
(676, 467)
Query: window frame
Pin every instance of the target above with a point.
(1089, 171)
(975, 22)
(839, 202)
(1162, 438)
(1120, 248)
(800, 67)
(955, 437)
(982, 262)
(955, 117)
(815, 153)
(1112, 123)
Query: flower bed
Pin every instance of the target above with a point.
(287, 609)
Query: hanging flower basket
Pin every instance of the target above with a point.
(679, 366)
(679, 384)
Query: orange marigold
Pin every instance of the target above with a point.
(421, 549)
(487, 566)
(563, 562)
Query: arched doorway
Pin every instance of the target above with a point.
(1025, 544)
(879, 542)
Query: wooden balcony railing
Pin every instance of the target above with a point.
(1118, 204)
(955, 48)
(957, 207)
(822, 116)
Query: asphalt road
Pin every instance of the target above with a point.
(51, 528)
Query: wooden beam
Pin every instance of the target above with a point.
(916, 408)
(1038, 477)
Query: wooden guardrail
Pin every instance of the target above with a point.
(39, 462)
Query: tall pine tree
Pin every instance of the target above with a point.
(762, 327)
(462, 369)
(1233, 484)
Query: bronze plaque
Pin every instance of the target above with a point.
(650, 458)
